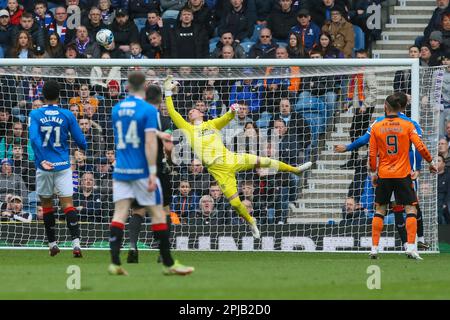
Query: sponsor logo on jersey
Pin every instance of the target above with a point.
(51, 112)
(128, 104)
(206, 132)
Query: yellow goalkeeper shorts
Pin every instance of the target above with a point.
(224, 171)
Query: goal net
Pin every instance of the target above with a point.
(293, 112)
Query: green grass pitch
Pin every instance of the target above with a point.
(31, 274)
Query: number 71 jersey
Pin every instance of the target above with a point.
(132, 117)
(49, 132)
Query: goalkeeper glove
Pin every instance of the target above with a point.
(234, 107)
(170, 86)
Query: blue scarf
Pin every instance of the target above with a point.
(81, 47)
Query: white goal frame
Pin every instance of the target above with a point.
(412, 64)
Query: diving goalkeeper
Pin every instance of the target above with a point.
(206, 142)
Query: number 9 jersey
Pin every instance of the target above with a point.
(131, 118)
(390, 141)
(49, 131)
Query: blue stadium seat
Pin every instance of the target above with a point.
(212, 46)
(140, 23)
(213, 43)
(282, 43)
(169, 18)
(359, 39)
(247, 45)
(170, 14)
(255, 36)
(264, 120)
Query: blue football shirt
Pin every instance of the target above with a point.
(131, 118)
(50, 130)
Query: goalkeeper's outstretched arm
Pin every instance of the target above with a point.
(177, 119)
(222, 121)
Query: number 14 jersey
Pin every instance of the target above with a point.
(131, 118)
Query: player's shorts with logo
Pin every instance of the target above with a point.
(49, 183)
(224, 171)
(403, 189)
(137, 189)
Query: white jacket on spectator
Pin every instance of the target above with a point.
(98, 78)
(370, 91)
(446, 88)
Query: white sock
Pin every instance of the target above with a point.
(405, 246)
(374, 249)
(410, 247)
(421, 239)
(51, 244)
(76, 243)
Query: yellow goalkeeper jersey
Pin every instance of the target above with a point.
(205, 139)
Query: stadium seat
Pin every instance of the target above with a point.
(32, 198)
(282, 43)
(264, 120)
(247, 45)
(389, 219)
(170, 14)
(255, 36)
(212, 44)
(359, 39)
(169, 18)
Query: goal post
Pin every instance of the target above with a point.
(294, 110)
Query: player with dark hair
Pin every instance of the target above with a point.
(153, 95)
(206, 141)
(390, 142)
(50, 130)
(416, 165)
(135, 181)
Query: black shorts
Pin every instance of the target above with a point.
(403, 189)
(166, 184)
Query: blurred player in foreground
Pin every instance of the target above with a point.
(390, 142)
(50, 129)
(135, 181)
(206, 141)
(153, 95)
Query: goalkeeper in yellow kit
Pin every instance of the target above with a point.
(206, 141)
